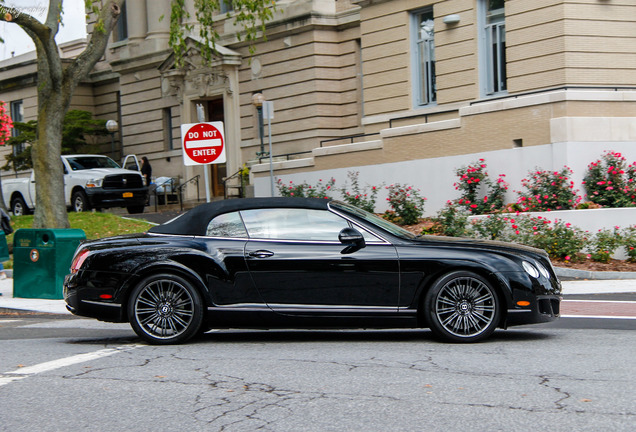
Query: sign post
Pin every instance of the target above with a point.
(203, 144)
(268, 113)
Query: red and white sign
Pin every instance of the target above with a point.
(203, 143)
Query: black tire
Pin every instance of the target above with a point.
(165, 309)
(135, 209)
(79, 202)
(462, 307)
(19, 207)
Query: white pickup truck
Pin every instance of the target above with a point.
(90, 181)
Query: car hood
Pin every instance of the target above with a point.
(103, 172)
(514, 248)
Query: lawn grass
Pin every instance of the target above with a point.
(95, 225)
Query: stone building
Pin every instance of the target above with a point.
(399, 91)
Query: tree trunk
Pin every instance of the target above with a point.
(50, 209)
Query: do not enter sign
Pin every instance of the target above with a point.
(203, 143)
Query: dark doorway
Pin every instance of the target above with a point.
(219, 171)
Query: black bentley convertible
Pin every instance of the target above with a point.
(306, 263)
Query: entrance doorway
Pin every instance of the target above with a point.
(219, 171)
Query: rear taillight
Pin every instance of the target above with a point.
(78, 260)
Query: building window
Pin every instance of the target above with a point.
(226, 6)
(424, 57)
(17, 115)
(167, 129)
(120, 32)
(493, 46)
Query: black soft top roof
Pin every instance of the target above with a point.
(195, 222)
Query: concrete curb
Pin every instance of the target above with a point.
(575, 274)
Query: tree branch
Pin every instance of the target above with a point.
(97, 42)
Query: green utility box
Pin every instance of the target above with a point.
(4, 248)
(41, 260)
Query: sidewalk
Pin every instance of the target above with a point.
(58, 306)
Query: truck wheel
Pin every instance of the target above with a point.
(79, 203)
(135, 209)
(19, 207)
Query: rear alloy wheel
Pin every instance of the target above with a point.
(79, 202)
(165, 309)
(462, 307)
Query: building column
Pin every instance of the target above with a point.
(136, 16)
(159, 22)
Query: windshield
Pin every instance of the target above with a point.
(79, 163)
(373, 219)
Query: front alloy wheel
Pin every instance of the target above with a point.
(165, 309)
(462, 307)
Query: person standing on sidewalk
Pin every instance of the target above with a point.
(146, 170)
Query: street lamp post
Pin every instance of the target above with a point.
(257, 101)
(112, 127)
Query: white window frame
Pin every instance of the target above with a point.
(423, 61)
(16, 109)
(492, 32)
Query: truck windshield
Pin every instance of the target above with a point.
(79, 163)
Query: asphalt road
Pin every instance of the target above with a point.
(59, 372)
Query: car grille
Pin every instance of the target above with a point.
(122, 181)
(549, 307)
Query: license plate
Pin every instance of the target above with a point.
(128, 194)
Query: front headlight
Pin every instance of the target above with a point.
(544, 271)
(530, 269)
(94, 183)
(535, 269)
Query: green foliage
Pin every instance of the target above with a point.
(610, 182)
(249, 16)
(79, 131)
(547, 190)
(604, 244)
(479, 194)
(628, 236)
(407, 206)
(450, 221)
(305, 190)
(363, 198)
(492, 227)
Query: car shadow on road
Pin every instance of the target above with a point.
(242, 336)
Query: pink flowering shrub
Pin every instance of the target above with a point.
(479, 194)
(610, 182)
(363, 198)
(407, 206)
(548, 190)
(603, 244)
(5, 124)
(305, 190)
(628, 236)
(557, 238)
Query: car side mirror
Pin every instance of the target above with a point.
(351, 238)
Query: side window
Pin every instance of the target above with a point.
(424, 55)
(493, 46)
(293, 224)
(226, 225)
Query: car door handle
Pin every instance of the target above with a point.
(261, 254)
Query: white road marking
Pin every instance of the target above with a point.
(25, 372)
(599, 316)
(599, 301)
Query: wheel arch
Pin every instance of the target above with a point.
(497, 280)
(170, 267)
(18, 195)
